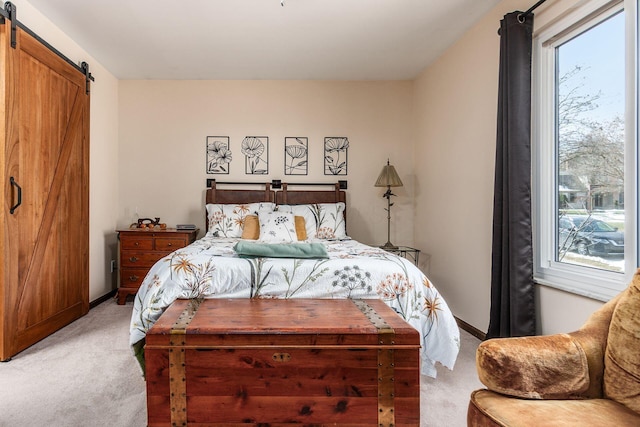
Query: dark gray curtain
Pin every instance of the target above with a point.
(512, 288)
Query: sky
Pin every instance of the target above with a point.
(600, 53)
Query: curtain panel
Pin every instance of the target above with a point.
(512, 288)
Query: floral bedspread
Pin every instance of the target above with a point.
(209, 268)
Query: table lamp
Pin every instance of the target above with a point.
(388, 178)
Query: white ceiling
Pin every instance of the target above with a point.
(260, 39)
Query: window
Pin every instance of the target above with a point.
(584, 139)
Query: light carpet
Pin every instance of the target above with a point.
(85, 375)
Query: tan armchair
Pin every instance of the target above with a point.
(590, 377)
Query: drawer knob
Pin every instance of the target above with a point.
(136, 244)
(133, 259)
(170, 244)
(133, 278)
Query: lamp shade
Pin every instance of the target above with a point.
(388, 177)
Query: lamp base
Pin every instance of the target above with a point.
(388, 245)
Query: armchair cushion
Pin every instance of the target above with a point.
(622, 355)
(543, 367)
(489, 409)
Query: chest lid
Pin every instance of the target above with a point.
(281, 322)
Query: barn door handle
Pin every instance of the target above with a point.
(15, 184)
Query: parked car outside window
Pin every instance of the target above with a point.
(587, 235)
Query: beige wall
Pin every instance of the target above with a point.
(103, 150)
(164, 125)
(455, 110)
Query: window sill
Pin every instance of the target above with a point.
(588, 288)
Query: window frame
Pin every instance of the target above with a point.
(586, 281)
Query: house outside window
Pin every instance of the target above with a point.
(585, 149)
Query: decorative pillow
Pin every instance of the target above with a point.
(301, 230)
(277, 227)
(308, 212)
(251, 230)
(331, 223)
(621, 380)
(227, 220)
(322, 220)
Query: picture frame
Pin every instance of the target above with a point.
(218, 155)
(256, 155)
(296, 155)
(335, 162)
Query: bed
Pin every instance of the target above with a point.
(215, 267)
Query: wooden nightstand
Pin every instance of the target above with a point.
(140, 249)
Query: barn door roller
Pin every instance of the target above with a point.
(87, 76)
(10, 8)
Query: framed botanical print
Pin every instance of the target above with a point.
(218, 155)
(256, 155)
(335, 155)
(296, 155)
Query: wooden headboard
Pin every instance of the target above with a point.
(282, 197)
(227, 196)
(301, 197)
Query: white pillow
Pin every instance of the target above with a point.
(277, 227)
(331, 223)
(308, 212)
(227, 220)
(322, 220)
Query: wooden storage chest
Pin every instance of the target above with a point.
(227, 362)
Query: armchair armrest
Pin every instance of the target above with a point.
(561, 366)
(542, 367)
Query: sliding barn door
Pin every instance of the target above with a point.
(45, 159)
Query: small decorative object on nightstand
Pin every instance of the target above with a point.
(405, 252)
(140, 248)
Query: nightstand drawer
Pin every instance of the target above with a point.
(166, 244)
(137, 242)
(132, 277)
(140, 259)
